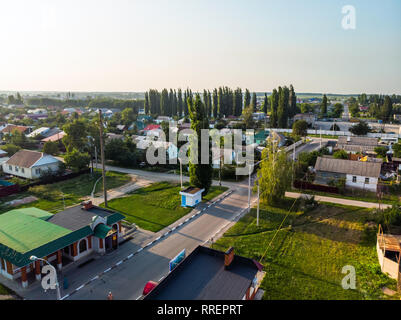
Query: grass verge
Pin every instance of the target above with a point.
(157, 206)
(306, 258)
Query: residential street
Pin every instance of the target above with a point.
(125, 278)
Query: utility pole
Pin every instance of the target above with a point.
(102, 155)
(249, 188)
(96, 156)
(220, 169)
(257, 212)
(320, 137)
(180, 171)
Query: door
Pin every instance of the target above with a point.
(183, 201)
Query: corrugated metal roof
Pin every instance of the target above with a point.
(25, 230)
(24, 158)
(358, 168)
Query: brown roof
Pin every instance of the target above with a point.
(55, 137)
(25, 158)
(359, 168)
(12, 127)
(191, 190)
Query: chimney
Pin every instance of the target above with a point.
(87, 205)
(228, 257)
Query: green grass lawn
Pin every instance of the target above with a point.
(53, 197)
(354, 195)
(157, 206)
(306, 258)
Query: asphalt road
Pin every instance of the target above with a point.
(129, 278)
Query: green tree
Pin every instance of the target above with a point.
(254, 103)
(265, 104)
(323, 106)
(11, 149)
(122, 152)
(76, 135)
(274, 175)
(76, 160)
(247, 115)
(200, 175)
(360, 129)
(397, 150)
(381, 151)
(338, 110)
(51, 147)
(247, 98)
(354, 109)
(300, 128)
(340, 154)
(273, 108)
(128, 116)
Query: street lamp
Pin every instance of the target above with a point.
(34, 258)
(180, 171)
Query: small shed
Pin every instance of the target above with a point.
(191, 196)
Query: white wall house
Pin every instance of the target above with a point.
(358, 174)
(361, 182)
(30, 164)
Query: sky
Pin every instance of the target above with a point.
(134, 45)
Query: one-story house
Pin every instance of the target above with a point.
(357, 174)
(357, 144)
(30, 164)
(61, 238)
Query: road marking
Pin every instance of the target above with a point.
(150, 243)
(166, 233)
(80, 287)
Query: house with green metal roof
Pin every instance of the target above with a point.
(62, 238)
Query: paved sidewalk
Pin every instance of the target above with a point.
(346, 202)
(136, 183)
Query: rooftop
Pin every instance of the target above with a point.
(202, 276)
(359, 168)
(25, 158)
(26, 229)
(77, 217)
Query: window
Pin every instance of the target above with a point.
(82, 246)
(22, 170)
(16, 169)
(354, 179)
(367, 180)
(10, 167)
(37, 171)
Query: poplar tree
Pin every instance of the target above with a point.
(215, 103)
(293, 102)
(323, 107)
(247, 98)
(200, 175)
(146, 103)
(254, 102)
(265, 104)
(273, 108)
(180, 103)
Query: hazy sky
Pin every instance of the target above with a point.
(134, 45)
